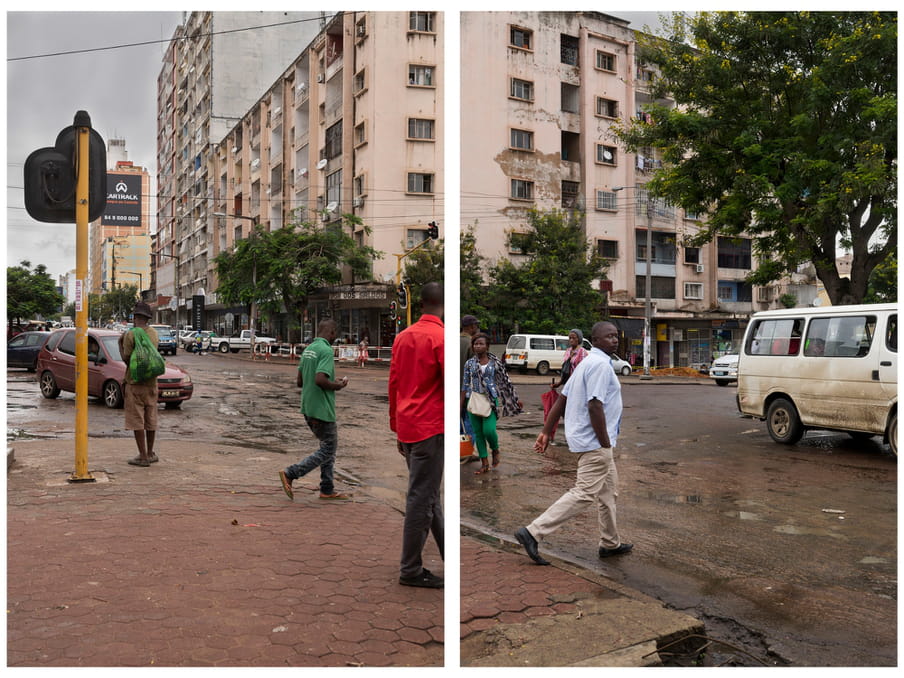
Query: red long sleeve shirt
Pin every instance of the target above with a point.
(416, 381)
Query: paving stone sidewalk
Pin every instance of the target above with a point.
(187, 565)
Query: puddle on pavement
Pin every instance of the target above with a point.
(797, 530)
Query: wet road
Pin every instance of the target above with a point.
(788, 553)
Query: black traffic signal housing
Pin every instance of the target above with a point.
(403, 296)
(393, 312)
(433, 230)
(51, 176)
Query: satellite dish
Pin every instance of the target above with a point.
(607, 155)
(304, 171)
(332, 206)
(321, 164)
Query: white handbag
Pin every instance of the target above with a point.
(479, 404)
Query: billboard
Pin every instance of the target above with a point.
(123, 200)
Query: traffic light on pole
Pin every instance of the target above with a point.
(393, 310)
(403, 296)
(433, 230)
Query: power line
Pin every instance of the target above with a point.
(158, 42)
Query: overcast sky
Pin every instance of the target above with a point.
(117, 87)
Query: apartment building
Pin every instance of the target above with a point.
(215, 67)
(119, 242)
(353, 125)
(537, 132)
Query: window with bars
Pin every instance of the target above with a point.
(570, 191)
(663, 247)
(661, 287)
(606, 155)
(333, 146)
(734, 253)
(334, 187)
(420, 183)
(691, 255)
(607, 249)
(421, 76)
(422, 22)
(693, 290)
(360, 133)
(522, 189)
(569, 49)
(421, 128)
(521, 139)
(521, 37)
(522, 89)
(606, 108)
(605, 61)
(606, 200)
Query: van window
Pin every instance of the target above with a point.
(778, 336)
(891, 333)
(543, 343)
(840, 337)
(561, 344)
(515, 341)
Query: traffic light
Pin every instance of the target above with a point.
(50, 176)
(403, 296)
(433, 230)
(393, 310)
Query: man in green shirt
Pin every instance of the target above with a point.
(316, 378)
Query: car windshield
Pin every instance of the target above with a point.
(112, 346)
(516, 342)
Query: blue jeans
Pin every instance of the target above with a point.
(324, 457)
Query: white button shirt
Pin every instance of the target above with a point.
(593, 378)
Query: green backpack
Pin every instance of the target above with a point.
(145, 362)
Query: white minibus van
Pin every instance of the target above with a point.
(822, 368)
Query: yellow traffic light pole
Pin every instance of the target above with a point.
(81, 473)
(398, 275)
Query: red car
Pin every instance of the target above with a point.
(106, 370)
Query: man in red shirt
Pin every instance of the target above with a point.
(416, 417)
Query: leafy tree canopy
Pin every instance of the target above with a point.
(30, 293)
(473, 293)
(785, 129)
(551, 290)
(278, 270)
(421, 267)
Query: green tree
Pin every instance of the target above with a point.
(551, 291)
(883, 283)
(117, 304)
(422, 266)
(278, 270)
(786, 129)
(473, 291)
(30, 293)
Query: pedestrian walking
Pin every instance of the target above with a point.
(416, 417)
(470, 326)
(362, 352)
(574, 354)
(140, 397)
(487, 393)
(317, 380)
(592, 405)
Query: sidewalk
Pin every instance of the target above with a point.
(516, 613)
(201, 560)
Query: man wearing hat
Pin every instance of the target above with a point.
(140, 398)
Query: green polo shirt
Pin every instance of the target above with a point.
(316, 402)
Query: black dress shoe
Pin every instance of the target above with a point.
(617, 551)
(526, 539)
(426, 579)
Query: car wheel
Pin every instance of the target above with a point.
(224, 347)
(112, 394)
(49, 388)
(892, 433)
(783, 422)
(542, 368)
(173, 405)
(626, 371)
(174, 351)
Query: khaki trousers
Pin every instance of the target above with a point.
(597, 483)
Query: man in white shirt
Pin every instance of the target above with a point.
(592, 404)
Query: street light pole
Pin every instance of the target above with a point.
(648, 283)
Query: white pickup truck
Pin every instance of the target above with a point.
(242, 341)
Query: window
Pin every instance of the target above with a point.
(841, 337)
(415, 237)
(422, 22)
(606, 108)
(663, 246)
(693, 290)
(543, 343)
(522, 190)
(521, 37)
(360, 133)
(691, 255)
(571, 98)
(606, 155)
(734, 253)
(516, 242)
(360, 185)
(420, 183)
(522, 139)
(606, 200)
(570, 190)
(644, 75)
(607, 249)
(891, 333)
(605, 61)
(522, 89)
(421, 128)
(360, 83)
(692, 216)
(663, 287)
(333, 146)
(780, 336)
(569, 50)
(68, 344)
(420, 76)
(334, 187)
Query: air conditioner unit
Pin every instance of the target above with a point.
(276, 111)
(700, 268)
(320, 77)
(235, 149)
(332, 206)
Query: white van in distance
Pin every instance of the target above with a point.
(822, 368)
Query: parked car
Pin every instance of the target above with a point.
(622, 367)
(189, 339)
(166, 339)
(725, 369)
(106, 370)
(22, 350)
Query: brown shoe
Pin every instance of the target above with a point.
(286, 484)
(335, 495)
(138, 461)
